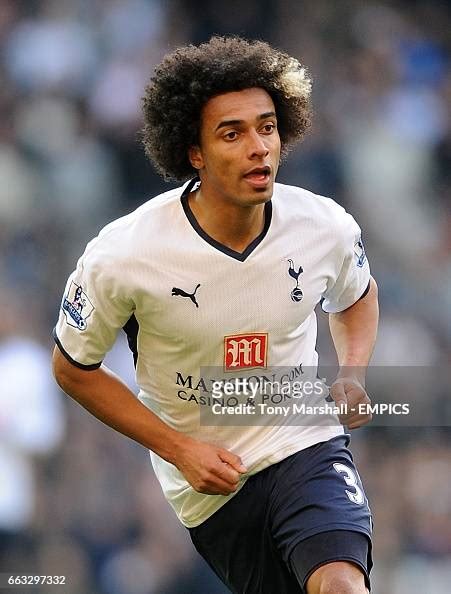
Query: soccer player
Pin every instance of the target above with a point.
(224, 273)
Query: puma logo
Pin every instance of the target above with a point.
(176, 292)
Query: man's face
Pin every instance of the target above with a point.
(239, 150)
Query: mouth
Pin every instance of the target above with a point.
(258, 177)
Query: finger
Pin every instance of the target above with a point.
(351, 416)
(338, 393)
(216, 486)
(356, 395)
(358, 404)
(339, 396)
(360, 415)
(226, 473)
(234, 461)
(360, 422)
(354, 418)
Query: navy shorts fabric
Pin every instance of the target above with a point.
(250, 541)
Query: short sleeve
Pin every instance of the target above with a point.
(352, 271)
(93, 310)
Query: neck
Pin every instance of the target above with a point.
(233, 225)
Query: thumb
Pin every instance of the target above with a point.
(234, 461)
(338, 393)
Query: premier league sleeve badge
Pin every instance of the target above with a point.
(77, 307)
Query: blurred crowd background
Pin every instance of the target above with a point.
(79, 500)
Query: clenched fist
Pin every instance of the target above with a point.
(209, 469)
(349, 394)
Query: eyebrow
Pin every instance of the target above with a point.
(226, 123)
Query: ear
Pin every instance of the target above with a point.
(195, 157)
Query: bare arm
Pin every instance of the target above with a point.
(209, 469)
(354, 335)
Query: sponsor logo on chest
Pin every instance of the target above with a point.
(245, 351)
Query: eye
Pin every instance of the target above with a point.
(269, 127)
(232, 135)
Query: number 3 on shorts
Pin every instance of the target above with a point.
(350, 479)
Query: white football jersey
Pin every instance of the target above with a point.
(197, 312)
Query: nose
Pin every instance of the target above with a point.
(257, 146)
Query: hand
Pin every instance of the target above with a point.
(209, 469)
(349, 391)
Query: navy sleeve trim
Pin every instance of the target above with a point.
(69, 358)
(366, 291)
(364, 294)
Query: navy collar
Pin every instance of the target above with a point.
(241, 256)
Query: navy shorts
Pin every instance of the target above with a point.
(288, 520)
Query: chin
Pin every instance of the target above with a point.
(256, 200)
(263, 194)
(256, 196)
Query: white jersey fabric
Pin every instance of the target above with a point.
(192, 305)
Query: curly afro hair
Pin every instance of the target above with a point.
(187, 78)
